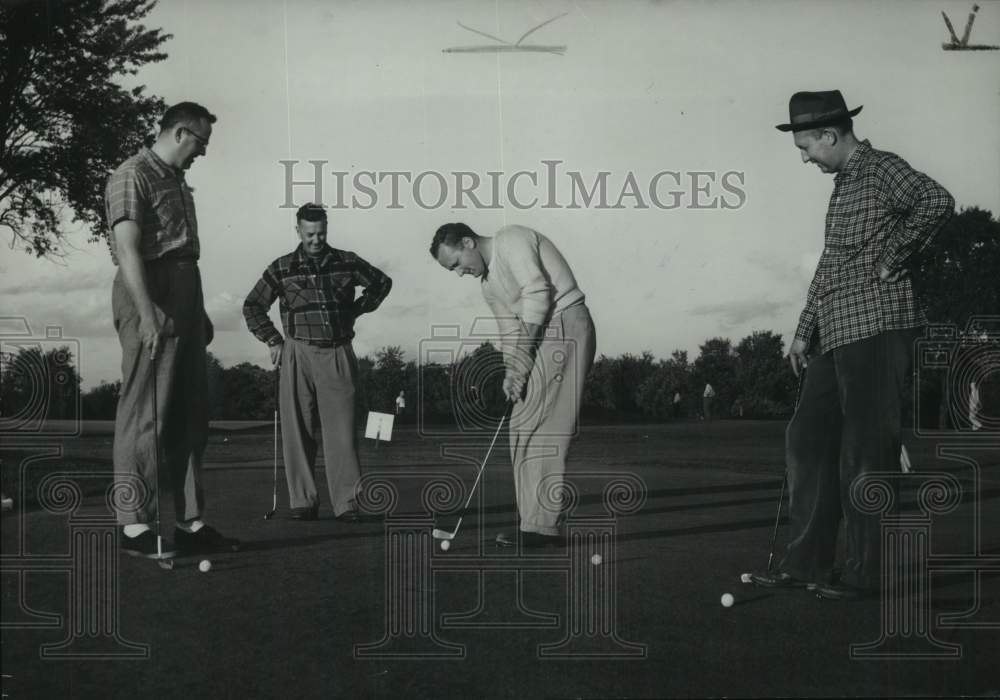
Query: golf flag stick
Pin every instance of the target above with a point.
(274, 492)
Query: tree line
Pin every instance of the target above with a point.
(955, 277)
(751, 379)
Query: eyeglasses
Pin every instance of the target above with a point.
(198, 137)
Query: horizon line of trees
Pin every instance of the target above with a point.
(751, 379)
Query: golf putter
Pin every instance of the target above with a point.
(165, 563)
(274, 503)
(784, 482)
(444, 534)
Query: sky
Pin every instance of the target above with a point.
(641, 88)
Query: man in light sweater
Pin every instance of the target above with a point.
(548, 343)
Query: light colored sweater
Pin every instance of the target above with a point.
(528, 277)
(528, 281)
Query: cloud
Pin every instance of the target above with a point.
(784, 271)
(737, 313)
(87, 314)
(226, 312)
(61, 284)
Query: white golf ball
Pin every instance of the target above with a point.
(596, 560)
(445, 545)
(727, 600)
(204, 566)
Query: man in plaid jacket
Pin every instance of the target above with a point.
(316, 288)
(856, 334)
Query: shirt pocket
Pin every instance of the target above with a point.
(342, 287)
(297, 291)
(168, 205)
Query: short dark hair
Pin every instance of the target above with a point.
(185, 113)
(311, 212)
(451, 235)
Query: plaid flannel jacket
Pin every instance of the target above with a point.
(316, 296)
(881, 212)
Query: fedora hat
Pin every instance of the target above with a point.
(811, 110)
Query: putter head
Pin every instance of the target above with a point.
(442, 534)
(268, 515)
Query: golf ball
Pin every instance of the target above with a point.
(596, 559)
(445, 545)
(204, 565)
(727, 600)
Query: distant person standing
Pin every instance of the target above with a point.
(677, 404)
(400, 403)
(316, 288)
(707, 397)
(856, 334)
(975, 406)
(159, 314)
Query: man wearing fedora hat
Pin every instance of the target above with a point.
(856, 334)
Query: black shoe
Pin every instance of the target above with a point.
(305, 513)
(776, 579)
(144, 545)
(842, 591)
(351, 516)
(205, 541)
(530, 540)
(833, 578)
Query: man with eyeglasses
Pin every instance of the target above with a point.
(159, 314)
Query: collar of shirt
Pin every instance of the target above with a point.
(157, 164)
(303, 260)
(853, 164)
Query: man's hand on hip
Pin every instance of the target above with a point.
(797, 356)
(885, 275)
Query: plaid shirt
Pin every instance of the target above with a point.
(881, 212)
(149, 192)
(317, 296)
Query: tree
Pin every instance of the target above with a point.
(64, 119)
(249, 392)
(717, 365)
(956, 277)
(655, 396)
(101, 402)
(765, 382)
(215, 389)
(37, 384)
(384, 379)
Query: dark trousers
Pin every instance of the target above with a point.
(847, 424)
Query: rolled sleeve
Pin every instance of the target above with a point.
(257, 305)
(124, 197)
